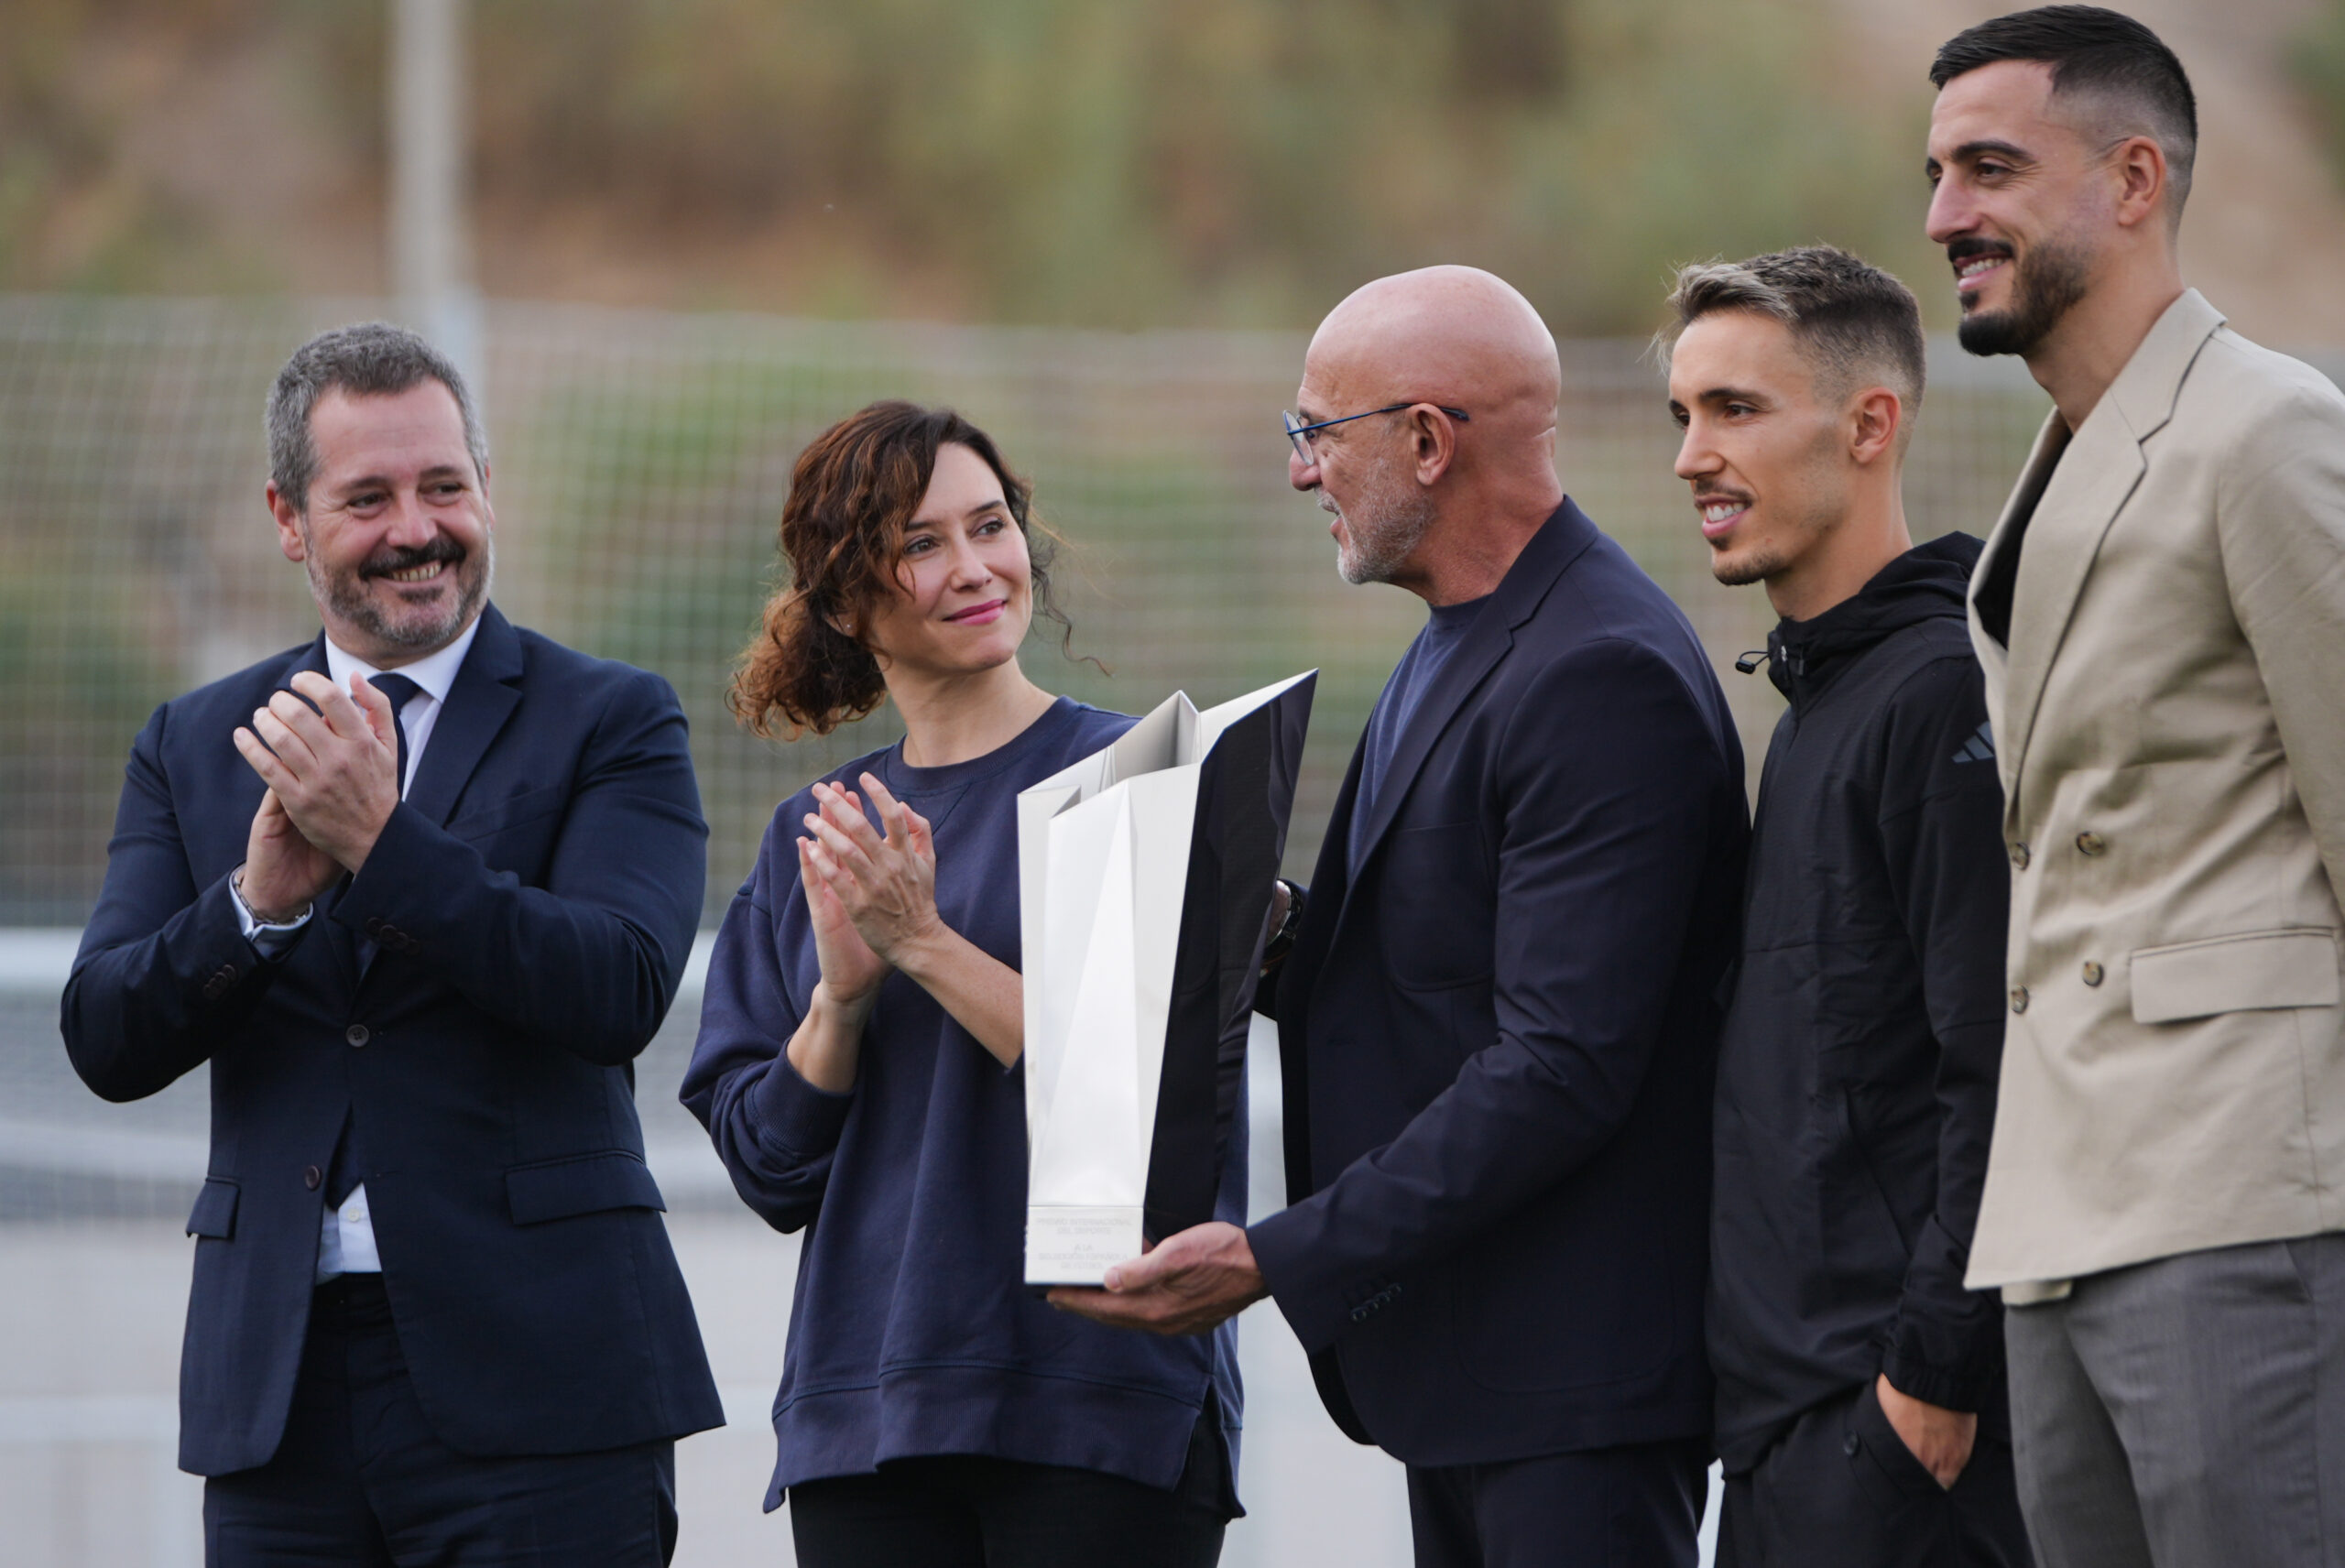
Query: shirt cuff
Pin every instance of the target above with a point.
(270, 940)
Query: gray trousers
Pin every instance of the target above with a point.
(2187, 1412)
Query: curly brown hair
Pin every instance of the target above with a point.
(852, 492)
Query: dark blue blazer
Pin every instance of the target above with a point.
(530, 906)
(1498, 1043)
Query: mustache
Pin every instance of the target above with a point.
(405, 558)
(1962, 250)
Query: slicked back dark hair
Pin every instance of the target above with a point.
(1858, 324)
(368, 359)
(2094, 52)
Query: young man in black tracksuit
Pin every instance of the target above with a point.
(1861, 1416)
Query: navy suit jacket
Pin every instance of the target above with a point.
(529, 905)
(1498, 1043)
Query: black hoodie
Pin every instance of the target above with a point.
(1856, 1084)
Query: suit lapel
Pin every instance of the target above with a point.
(1993, 656)
(1555, 546)
(2097, 474)
(487, 691)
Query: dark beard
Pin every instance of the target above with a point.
(347, 594)
(2044, 284)
(1757, 567)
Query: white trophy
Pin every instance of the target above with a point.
(1144, 874)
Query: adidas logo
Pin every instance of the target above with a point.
(1980, 747)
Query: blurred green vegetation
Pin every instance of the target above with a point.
(2317, 60)
(1220, 162)
(640, 461)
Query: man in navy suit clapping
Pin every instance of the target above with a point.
(418, 891)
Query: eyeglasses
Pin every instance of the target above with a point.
(1300, 433)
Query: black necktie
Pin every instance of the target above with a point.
(341, 1180)
(397, 689)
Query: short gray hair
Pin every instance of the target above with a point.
(1855, 321)
(369, 359)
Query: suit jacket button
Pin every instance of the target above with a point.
(1849, 1444)
(356, 1034)
(2091, 842)
(312, 1176)
(228, 974)
(2019, 999)
(2094, 974)
(373, 925)
(2018, 856)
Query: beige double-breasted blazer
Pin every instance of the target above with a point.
(2170, 719)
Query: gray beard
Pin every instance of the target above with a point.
(1388, 521)
(346, 597)
(2050, 280)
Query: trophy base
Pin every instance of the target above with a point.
(1075, 1245)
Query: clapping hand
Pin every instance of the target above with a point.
(873, 895)
(332, 773)
(851, 970)
(283, 873)
(884, 884)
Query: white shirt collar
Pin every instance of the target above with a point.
(434, 673)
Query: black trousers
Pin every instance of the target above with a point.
(360, 1479)
(969, 1512)
(1841, 1489)
(1632, 1507)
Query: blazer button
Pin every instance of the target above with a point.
(356, 1034)
(2091, 842)
(312, 1176)
(2018, 856)
(2019, 999)
(1849, 1444)
(2094, 974)
(373, 925)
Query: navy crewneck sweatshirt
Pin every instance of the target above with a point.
(913, 1332)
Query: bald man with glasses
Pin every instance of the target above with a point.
(1498, 1014)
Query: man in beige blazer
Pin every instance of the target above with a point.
(2161, 614)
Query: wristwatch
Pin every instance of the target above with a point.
(1281, 940)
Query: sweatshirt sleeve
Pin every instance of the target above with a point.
(775, 1132)
(1941, 827)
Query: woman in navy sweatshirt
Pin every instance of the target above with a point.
(859, 1039)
